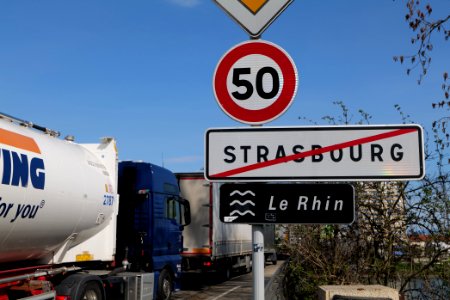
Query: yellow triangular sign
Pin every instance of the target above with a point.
(254, 5)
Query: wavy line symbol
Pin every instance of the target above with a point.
(242, 203)
(241, 213)
(242, 193)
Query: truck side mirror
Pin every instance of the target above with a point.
(186, 212)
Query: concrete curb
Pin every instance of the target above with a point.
(274, 288)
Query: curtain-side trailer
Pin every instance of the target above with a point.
(209, 244)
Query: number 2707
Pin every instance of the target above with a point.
(108, 200)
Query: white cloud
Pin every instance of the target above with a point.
(186, 3)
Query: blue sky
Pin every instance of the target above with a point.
(141, 71)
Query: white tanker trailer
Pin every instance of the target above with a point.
(59, 212)
(52, 193)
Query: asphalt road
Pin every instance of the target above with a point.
(239, 287)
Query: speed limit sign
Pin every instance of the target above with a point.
(255, 82)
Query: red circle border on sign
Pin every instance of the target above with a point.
(283, 101)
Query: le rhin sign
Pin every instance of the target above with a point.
(287, 203)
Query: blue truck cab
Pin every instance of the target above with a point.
(151, 219)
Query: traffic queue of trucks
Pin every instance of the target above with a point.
(65, 235)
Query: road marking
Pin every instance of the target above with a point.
(330, 148)
(226, 293)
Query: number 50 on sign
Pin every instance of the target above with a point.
(255, 82)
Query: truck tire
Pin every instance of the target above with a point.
(81, 286)
(274, 258)
(91, 291)
(165, 285)
(227, 272)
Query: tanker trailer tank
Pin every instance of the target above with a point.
(54, 194)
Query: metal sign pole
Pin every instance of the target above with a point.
(258, 258)
(258, 262)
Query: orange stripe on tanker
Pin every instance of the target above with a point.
(19, 141)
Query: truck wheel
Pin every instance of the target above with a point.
(81, 286)
(91, 292)
(227, 273)
(165, 285)
(274, 258)
(248, 269)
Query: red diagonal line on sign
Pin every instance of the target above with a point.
(326, 149)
